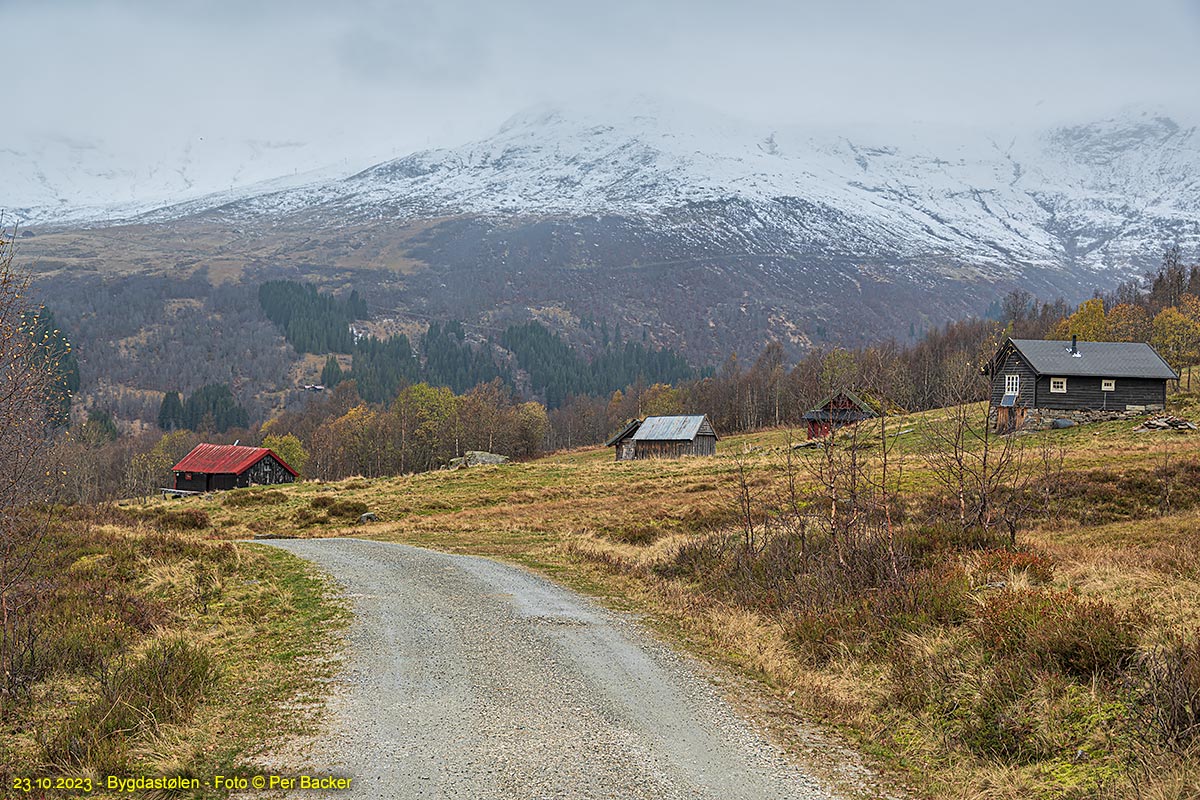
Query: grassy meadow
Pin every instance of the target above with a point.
(1056, 664)
(156, 650)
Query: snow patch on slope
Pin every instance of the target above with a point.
(1089, 197)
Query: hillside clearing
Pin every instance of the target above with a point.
(647, 536)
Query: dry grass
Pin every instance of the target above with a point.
(614, 529)
(165, 652)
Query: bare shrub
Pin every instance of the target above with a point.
(1168, 682)
(29, 382)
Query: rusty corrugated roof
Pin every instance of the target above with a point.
(225, 459)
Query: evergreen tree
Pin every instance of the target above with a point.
(332, 374)
(170, 412)
(56, 347)
(557, 371)
(311, 322)
(213, 408)
(383, 366)
(452, 361)
(99, 428)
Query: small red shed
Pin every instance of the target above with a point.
(212, 467)
(837, 411)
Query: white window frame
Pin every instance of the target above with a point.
(1060, 383)
(1012, 384)
(1108, 384)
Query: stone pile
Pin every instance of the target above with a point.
(1167, 423)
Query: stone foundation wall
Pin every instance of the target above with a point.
(1039, 419)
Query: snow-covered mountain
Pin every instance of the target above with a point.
(1102, 195)
(1090, 196)
(58, 178)
(713, 233)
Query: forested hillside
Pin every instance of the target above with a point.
(311, 321)
(519, 386)
(557, 370)
(316, 322)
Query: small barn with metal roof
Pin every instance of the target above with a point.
(212, 467)
(1057, 377)
(665, 437)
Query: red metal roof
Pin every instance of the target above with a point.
(225, 459)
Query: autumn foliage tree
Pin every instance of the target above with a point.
(1088, 323)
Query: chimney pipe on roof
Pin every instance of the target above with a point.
(1074, 345)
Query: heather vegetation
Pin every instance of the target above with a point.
(142, 647)
(1009, 617)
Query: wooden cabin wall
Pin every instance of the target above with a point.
(1085, 393)
(197, 483)
(1014, 364)
(266, 471)
(701, 446)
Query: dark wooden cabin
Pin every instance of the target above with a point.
(1035, 377)
(665, 437)
(213, 467)
(836, 411)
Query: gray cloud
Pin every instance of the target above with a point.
(369, 77)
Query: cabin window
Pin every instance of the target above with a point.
(1108, 385)
(1058, 385)
(1012, 384)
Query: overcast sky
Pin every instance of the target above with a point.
(391, 77)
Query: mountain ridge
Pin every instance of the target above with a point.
(1088, 196)
(711, 233)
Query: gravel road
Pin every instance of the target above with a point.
(467, 678)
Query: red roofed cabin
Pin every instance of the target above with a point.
(212, 467)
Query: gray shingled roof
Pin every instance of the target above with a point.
(669, 429)
(628, 430)
(1098, 359)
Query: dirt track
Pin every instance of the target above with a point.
(466, 678)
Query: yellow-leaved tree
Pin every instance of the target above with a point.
(290, 449)
(661, 400)
(1176, 338)
(1088, 323)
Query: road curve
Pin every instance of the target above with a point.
(467, 678)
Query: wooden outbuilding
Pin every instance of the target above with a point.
(665, 437)
(213, 467)
(836, 411)
(1035, 380)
